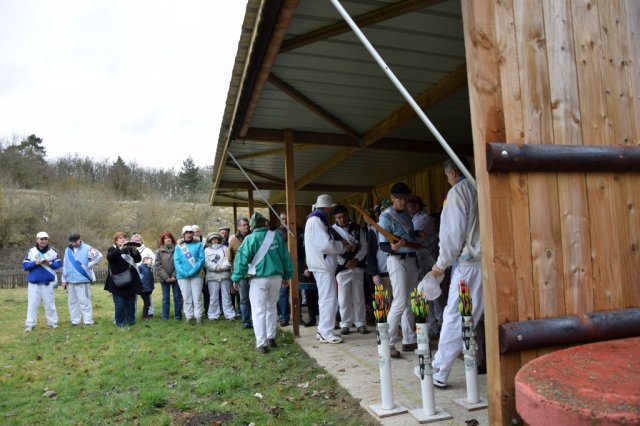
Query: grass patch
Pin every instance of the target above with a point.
(157, 373)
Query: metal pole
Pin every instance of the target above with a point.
(259, 193)
(403, 91)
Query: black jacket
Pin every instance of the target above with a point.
(116, 265)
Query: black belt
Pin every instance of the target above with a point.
(403, 255)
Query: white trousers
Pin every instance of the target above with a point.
(351, 297)
(80, 302)
(37, 293)
(327, 302)
(403, 274)
(215, 287)
(191, 289)
(450, 344)
(263, 295)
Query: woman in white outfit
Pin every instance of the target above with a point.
(216, 262)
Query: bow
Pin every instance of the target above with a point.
(388, 235)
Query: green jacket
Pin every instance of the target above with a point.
(275, 262)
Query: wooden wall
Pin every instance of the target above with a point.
(553, 72)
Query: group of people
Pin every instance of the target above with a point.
(336, 260)
(335, 255)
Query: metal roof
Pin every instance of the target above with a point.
(299, 67)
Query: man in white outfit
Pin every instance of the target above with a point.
(460, 243)
(402, 265)
(77, 276)
(41, 262)
(350, 273)
(321, 251)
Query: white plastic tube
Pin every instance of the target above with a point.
(470, 364)
(384, 359)
(424, 364)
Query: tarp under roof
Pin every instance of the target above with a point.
(300, 67)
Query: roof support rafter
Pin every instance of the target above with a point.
(373, 17)
(309, 140)
(312, 106)
(256, 173)
(227, 185)
(434, 94)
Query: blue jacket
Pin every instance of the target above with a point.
(184, 268)
(146, 277)
(40, 274)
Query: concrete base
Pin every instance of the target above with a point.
(421, 417)
(378, 411)
(472, 407)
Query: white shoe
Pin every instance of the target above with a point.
(53, 326)
(29, 329)
(330, 339)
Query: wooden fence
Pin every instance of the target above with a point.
(18, 278)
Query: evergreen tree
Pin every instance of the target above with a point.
(190, 181)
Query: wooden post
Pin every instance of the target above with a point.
(250, 200)
(290, 185)
(235, 218)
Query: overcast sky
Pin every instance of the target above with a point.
(143, 79)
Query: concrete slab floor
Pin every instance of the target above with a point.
(354, 364)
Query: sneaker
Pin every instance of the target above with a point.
(329, 339)
(74, 324)
(344, 331)
(310, 323)
(262, 349)
(272, 343)
(247, 326)
(409, 347)
(29, 328)
(440, 385)
(53, 326)
(284, 323)
(393, 352)
(363, 329)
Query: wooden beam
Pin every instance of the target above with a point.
(312, 106)
(289, 173)
(285, 17)
(448, 85)
(370, 18)
(235, 218)
(250, 200)
(310, 139)
(256, 173)
(272, 152)
(232, 185)
(323, 167)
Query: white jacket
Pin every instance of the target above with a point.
(216, 263)
(321, 251)
(459, 226)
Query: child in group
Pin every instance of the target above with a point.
(147, 279)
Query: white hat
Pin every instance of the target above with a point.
(324, 200)
(430, 286)
(42, 234)
(187, 228)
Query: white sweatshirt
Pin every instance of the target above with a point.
(320, 249)
(459, 226)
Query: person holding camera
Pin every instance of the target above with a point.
(123, 279)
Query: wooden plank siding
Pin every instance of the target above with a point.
(553, 72)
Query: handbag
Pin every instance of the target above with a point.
(121, 279)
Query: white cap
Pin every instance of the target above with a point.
(430, 286)
(187, 228)
(42, 234)
(324, 200)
